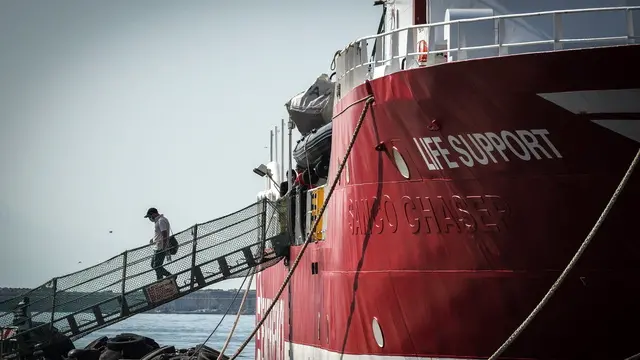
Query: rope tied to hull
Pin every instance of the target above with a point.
(201, 346)
(235, 323)
(573, 261)
(249, 275)
(368, 100)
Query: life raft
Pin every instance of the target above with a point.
(313, 147)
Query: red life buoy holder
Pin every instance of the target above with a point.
(422, 48)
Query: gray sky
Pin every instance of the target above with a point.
(109, 107)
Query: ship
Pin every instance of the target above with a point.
(488, 136)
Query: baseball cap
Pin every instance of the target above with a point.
(151, 211)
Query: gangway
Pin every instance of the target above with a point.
(74, 305)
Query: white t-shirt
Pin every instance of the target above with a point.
(161, 224)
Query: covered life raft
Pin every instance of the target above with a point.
(313, 147)
(312, 112)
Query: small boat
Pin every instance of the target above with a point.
(313, 147)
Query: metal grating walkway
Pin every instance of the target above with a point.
(125, 285)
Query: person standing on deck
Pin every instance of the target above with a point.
(284, 186)
(160, 241)
(285, 199)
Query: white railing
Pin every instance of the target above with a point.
(353, 66)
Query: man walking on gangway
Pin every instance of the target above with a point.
(160, 241)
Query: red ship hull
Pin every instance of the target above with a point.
(505, 181)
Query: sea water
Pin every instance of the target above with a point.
(183, 331)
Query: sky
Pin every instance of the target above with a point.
(110, 107)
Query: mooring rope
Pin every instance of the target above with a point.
(235, 323)
(199, 347)
(633, 357)
(573, 261)
(244, 297)
(368, 100)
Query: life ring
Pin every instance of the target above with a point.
(423, 47)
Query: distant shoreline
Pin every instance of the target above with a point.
(195, 313)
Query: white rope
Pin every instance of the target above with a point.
(199, 348)
(572, 263)
(235, 323)
(633, 357)
(233, 301)
(368, 101)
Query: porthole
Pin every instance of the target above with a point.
(400, 163)
(377, 332)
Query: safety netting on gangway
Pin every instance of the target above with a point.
(224, 248)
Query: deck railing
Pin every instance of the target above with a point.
(353, 65)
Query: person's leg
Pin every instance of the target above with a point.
(161, 271)
(156, 261)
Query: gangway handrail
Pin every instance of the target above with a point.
(130, 250)
(149, 270)
(148, 307)
(139, 261)
(146, 258)
(183, 231)
(201, 267)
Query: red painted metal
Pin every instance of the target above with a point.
(419, 12)
(450, 261)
